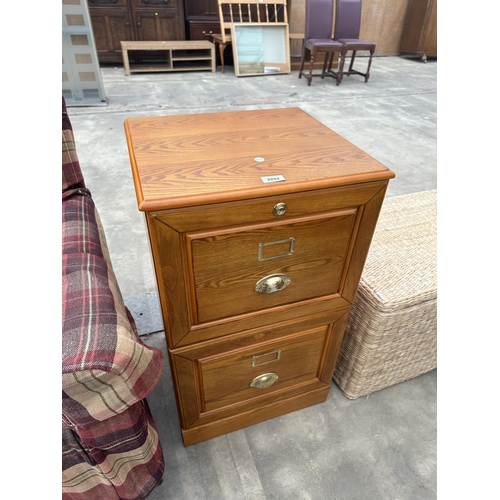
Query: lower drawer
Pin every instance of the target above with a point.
(203, 30)
(221, 380)
(252, 372)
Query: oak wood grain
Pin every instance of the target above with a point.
(227, 377)
(188, 367)
(253, 211)
(314, 395)
(214, 234)
(183, 160)
(315, 268)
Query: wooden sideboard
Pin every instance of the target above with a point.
(114, 21)
(202, 18)
(259, 224)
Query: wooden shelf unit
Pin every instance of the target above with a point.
(187, 55)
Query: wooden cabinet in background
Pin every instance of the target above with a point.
(114, 21)
(260, 223)
(203, 15)
(419, 36)
(202, 21)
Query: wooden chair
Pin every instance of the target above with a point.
(251, 11)
(318, 38)
(347, 27)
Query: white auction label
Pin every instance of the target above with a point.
(272, 178)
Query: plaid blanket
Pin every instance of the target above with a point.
(111, 448)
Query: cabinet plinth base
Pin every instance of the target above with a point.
(252, 417)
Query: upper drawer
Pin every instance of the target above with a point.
(269, 209)
(241, 270)
(209, 259)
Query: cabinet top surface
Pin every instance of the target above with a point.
(196, 159)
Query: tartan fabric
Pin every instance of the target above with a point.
(111, 448)
(122, 464)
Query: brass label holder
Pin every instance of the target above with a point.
(262, 359)
(262, 246)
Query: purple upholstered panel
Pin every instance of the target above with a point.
(325, 42)
(348, 19)
(319, 19)
(355, 44)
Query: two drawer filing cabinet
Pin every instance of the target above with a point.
(259, 224)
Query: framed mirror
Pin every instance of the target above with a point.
(260, 48)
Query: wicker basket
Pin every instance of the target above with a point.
(391, 334)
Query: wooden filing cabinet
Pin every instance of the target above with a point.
(259, 224)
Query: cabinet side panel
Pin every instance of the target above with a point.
(365, 234)
(168, 259)
(333, 348)
(186, 378)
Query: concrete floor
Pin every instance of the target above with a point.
(377, 447)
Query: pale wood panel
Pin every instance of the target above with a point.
(315, 268)
(201, 158)
(184, 164)
(227, 377)
(382, 23)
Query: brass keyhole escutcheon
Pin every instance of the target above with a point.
(279, 209)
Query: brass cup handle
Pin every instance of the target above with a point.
(264, 380)
(273, 283)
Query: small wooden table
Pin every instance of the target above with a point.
(186, 55)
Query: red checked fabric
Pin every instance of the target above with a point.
(111, 448)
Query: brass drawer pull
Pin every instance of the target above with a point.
(262, 246)
(273, 283)
(264, 380)
(276, 356)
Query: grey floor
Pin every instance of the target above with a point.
(378, 447)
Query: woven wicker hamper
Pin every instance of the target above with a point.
(391, 334)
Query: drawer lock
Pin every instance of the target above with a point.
(279, 209)
(264, 380)
(272, 283)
